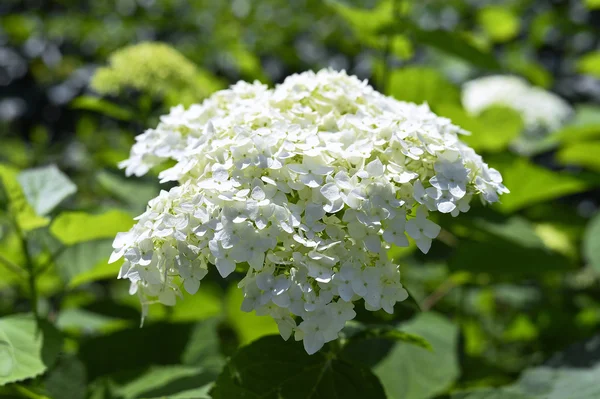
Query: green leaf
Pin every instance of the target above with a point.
(591, 242)
(67, 379)
(427, 373)
(448, 42)
(493, 130)
(531, 184)
(101, 270)
(133, 192)
(490, 393)
(190, 344)
(45, 187)
(590, 64)
(175, 381)
(366, 22)
(545, 383)
(104, 107)
(82, 319)
(592, 4)
(19, 206)
(584, 154)
(420, 84)
(273, 368)
(75, 227)
(84, 259)
(358, 331)
(499, 23)
(32, 350)
(248, 326)
(516, 247)
(408, 371)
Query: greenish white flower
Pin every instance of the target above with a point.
(539, 108)
(305, 187)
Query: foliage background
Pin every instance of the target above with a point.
(506, 305)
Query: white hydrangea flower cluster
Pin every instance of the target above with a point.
(303, 187)
(539, 108)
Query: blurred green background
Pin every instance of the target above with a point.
(509, 296)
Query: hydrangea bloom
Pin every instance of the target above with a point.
(304, 187)
(540, 109)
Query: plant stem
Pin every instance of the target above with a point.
(30, 266)
(396, 13)
(25, 392)
(13, 267)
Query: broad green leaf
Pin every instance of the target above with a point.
(273, 368)
(83, 259)
(592, 4)
(19, 206)
(493, 130)
(585, 154)
(101, 270)
(586, 114)
(45, 187)
(97, 104)
(490, 393)
(82, 319)
(174, 381)
(584, 125)
(206, 303)
(32, 350)
(545, 383)
(366, 22)
(409, 371)
(590, 64)
(358, 331)
(133, 192)
(591, 242)
(531, 184)
(500, 23)
(420, 84)
(248, 326)
(75, 227)
(190, 344)
(448, 42)
(516, 247)
(67, 379)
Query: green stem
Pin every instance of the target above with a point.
(13, 267)
(25, 392)
(30, 266)
(389, 39)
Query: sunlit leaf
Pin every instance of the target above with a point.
(19, 206)
(499, 23)
(448, 42)
(248, 326)
(32, 350)
(45, 187)
(75, 227)
(419, 85)
(530, 184)
(104, 107)
(585, 154)
(84, 258)
(590, 64)
(493, 130)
